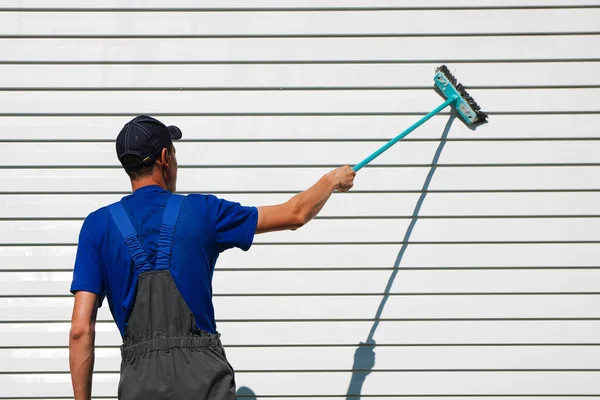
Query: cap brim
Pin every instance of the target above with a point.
(175, 132)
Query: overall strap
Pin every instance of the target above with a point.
(136, 251)
(167, 231)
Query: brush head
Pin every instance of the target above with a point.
(466, 106)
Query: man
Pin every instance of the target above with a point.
(152, 255)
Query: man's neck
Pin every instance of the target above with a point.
(147, 181)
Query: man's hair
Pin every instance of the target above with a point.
(144, 171)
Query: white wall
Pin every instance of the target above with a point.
(496, 290)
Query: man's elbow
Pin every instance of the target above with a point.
(298, 223)
(299, 217)
(80, 332)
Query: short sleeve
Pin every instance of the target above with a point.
(235, 225)
(87, 272)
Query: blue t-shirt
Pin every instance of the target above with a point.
(206, 226)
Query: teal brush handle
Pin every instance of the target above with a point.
(403, 134)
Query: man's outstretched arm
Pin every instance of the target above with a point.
(81, 344)
(304, 206)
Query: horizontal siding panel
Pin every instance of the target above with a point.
(368, 101)
(410, 281)
(358, 231)
(343, 307)
(499, 48)
(298, 179)
(336, 383)
(243, 394)
(419, 397)
(36, 257)
(393, 205)
(301, 23)
(435, 383)
(442, 230)
(340, 358)
(249, 396)
(294, 76)
(241, 154)
(269, 4)
(379, 127)
(421, 256)
(40, 257)
(331, 334)
(354, 282)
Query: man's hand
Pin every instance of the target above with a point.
(344, 177)
(304, 206)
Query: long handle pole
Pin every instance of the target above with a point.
(403, 134)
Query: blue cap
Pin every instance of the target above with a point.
(145, 137)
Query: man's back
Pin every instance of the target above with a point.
(206, 226)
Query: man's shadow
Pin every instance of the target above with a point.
(364, 357)
(245, 393)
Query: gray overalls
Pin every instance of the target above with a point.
(164, 354)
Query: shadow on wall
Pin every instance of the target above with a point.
(364, 357)
(245, 393)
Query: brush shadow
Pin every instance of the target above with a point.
(245, 393)
(364, 356)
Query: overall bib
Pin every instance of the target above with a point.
(164, 354)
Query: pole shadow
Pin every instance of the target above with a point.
(364, 356)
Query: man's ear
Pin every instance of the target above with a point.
(164, 157)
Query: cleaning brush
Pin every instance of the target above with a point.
(466, 106)
(455, 94)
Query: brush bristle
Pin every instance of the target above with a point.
(481, 116)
